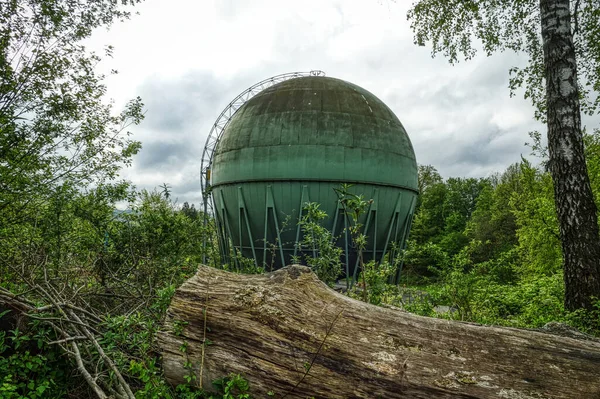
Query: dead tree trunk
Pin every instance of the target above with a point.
(291, 336)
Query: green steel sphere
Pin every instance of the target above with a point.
(296, 142)
(315, 128)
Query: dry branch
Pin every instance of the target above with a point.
(69, 322)
(292, 336)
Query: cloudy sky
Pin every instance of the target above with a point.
(188, 58)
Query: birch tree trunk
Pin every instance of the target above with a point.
(577, 217)
(291, 336)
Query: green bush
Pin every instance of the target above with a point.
(587, 321)
(322, 255)
(29, 367)
(423, 262)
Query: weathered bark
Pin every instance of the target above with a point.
(289, 334)
(577, 218)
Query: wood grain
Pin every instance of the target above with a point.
(291, 336)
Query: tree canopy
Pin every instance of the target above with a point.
(56, 127)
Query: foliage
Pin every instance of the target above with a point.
(122, 267)
(376, 278)
(505, 274)
(424, 262)
(29, 367)
(55, 127)
(32, 368)
(505, 271)
(156, 239)
(86, 284)
(233, 387)
(587, 321)
(508, 271)
(592, 153)
(493, 223)
(444, 210)
(535, 214)
(428, 177)
(324, 257)
(354, 207)
(240, 264)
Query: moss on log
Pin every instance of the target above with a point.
(291, 336)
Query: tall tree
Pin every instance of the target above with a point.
(55, 125)
(557, 52)
(428, 176)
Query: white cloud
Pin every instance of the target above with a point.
(188, 59)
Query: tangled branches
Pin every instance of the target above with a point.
(76, 334)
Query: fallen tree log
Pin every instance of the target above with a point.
(291, 336)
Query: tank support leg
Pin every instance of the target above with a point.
(407, 226)
(243, 211)
(303, 199)
(346, 242)
(340, 209)
(371, 212)
(394, 222)
(220, 236)
(271, 207)
(228, 237)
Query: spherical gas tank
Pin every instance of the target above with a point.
(296, 142)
